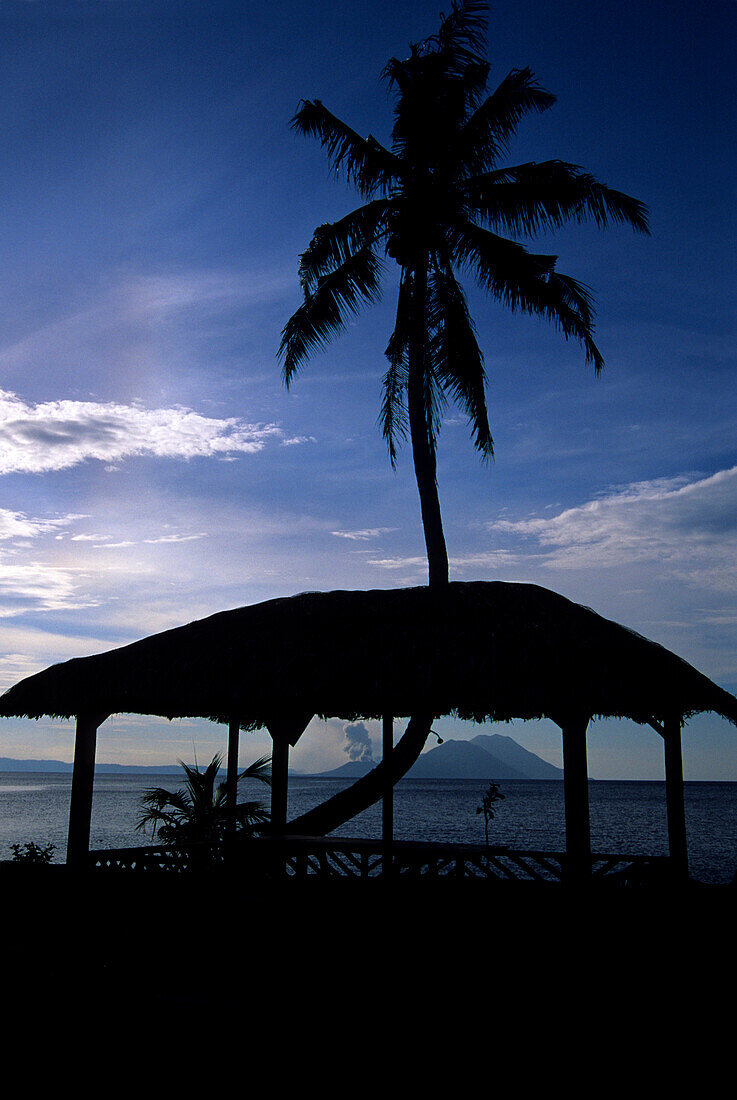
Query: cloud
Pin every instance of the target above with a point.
(156, 295)
(363, 535)
(15, 525)
(486, 560)
(44, 566)
(659, 555)
(57, 435)
(39, 586)
(176, 538)
(35, 571)
(684, 524)
(137, 316)
(27, 649)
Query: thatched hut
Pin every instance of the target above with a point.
(479, 650)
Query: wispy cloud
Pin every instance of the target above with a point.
(39, 586)
(413, 568)
(680, 530)
(176, 538)
(14, 525)
(56, 435)
(25, 649)
(28, 581)
(687, 525)
(50, 563)
(157, 295)
(364, 535)
(296, 440)
(138, 315)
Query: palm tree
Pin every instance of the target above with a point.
(198, 816)
(439, 202)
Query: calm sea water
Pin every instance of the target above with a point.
(628, 818)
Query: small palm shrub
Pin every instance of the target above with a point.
(198, 816)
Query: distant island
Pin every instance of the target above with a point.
(10, 764)
(485, 757)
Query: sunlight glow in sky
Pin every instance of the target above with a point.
(152, 468)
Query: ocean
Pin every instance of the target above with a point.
(626, 817)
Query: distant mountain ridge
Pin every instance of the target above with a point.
(510, 752)
(10, 764)
(486, 757)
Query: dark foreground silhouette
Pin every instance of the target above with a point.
(119, 947)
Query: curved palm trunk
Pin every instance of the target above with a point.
(423, 449)
(366, 791)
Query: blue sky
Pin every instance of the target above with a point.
(153, 203)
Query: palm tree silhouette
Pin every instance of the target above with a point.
(438, 203)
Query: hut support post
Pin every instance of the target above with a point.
(279, 784)
(285, 730)
(83, 779)
(674, 796)
(576, 794)
(231, 782)
(387, 800)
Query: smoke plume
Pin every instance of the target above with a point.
(357, 745)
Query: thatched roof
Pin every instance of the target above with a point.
(480, 650)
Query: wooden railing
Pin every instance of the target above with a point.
(302, 858)
(139, 859)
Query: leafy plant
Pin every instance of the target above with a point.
(489, 800)
(32, 853)
(199, 815)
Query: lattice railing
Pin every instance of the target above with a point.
(139, 859)
(316, 857)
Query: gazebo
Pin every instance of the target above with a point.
(485, 651)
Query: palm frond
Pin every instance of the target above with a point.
(487, 133)
(536, 197)
(433, 400)
(364, 161)
(461, 39)
(570, 307)
(195, 778)
(528, 282)
(458, 361)
(157, 797)
(325, 311)
(460, 43)
(156, 817)
(502, 267)
(397, 73)
(260, 769)
(335, 242)
(393, 414)
(465, 25)
(251, 813)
